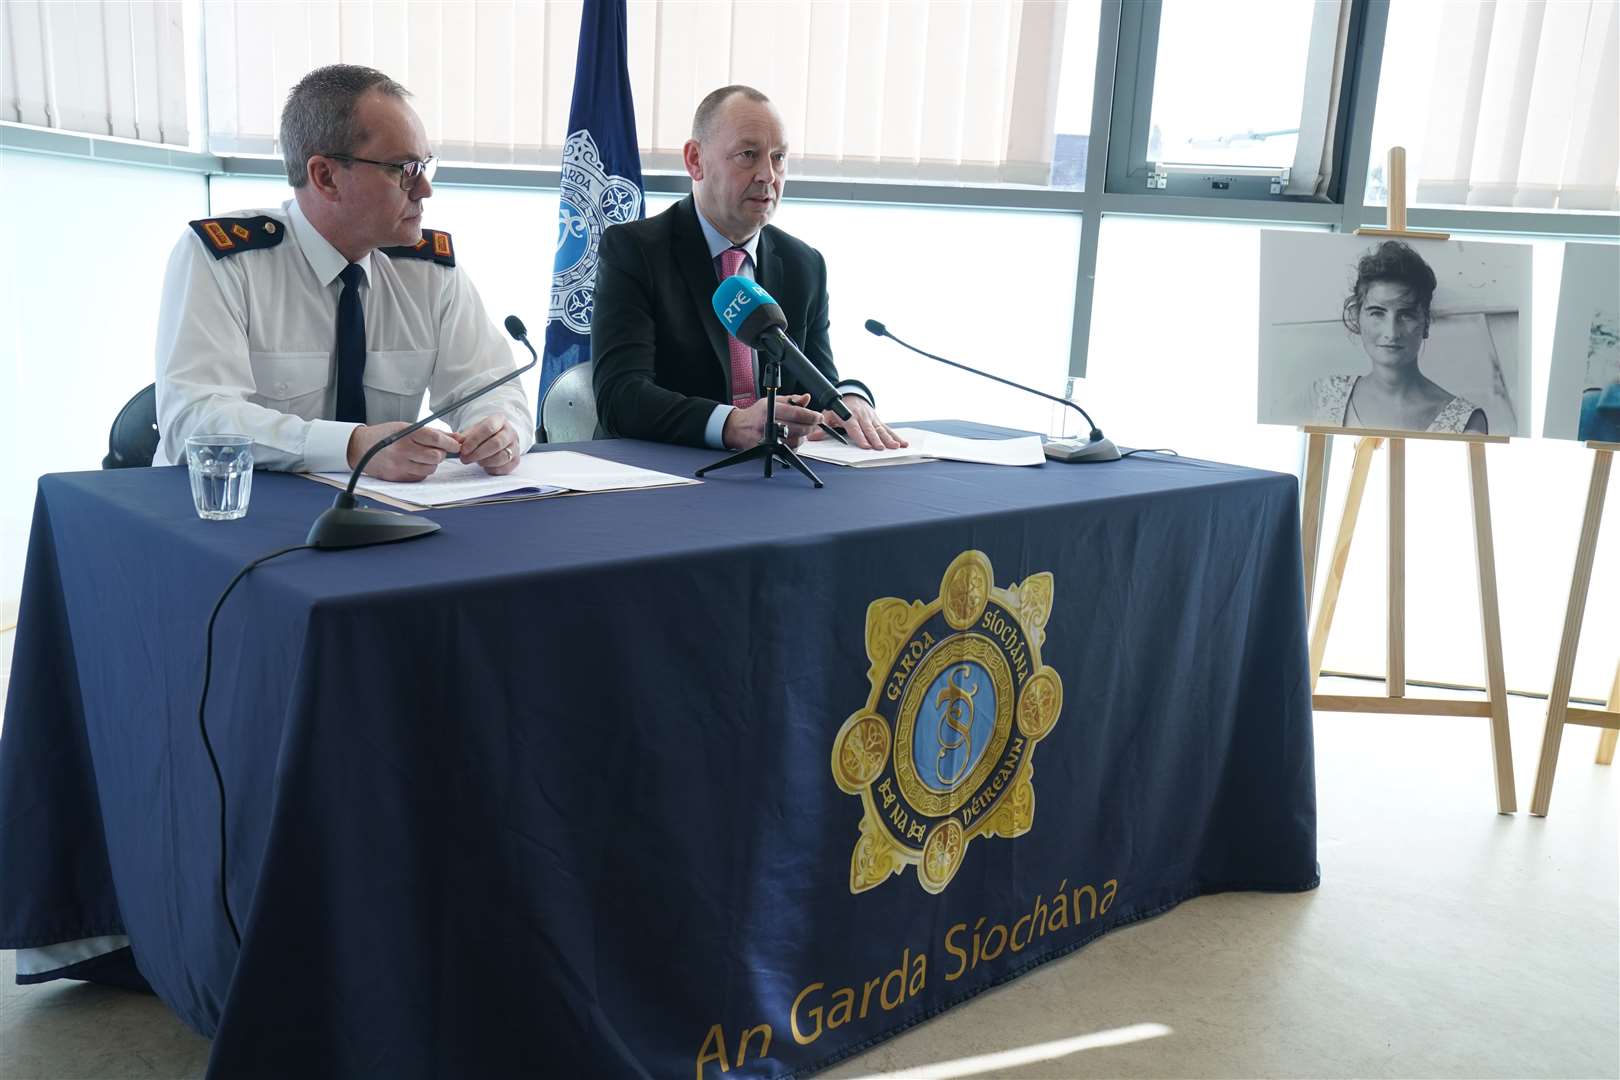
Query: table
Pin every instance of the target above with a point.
(735, 779)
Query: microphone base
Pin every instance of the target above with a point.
(1079, 451)
(348, 527)
(772, 453)
(771, 449)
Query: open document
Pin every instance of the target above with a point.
(561, 472)
(931, 446)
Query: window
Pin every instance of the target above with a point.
(1501, 105)
(1187, 382)
(922, 272)
(80, 315)
(1228, 91)
(1245, 101)
(112, 68)
(494, 79)
(1076, 91)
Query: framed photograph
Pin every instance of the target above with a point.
(1583, 387)
(1398, 335)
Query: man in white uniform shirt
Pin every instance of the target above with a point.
(316, 328)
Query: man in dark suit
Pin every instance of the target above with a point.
(665, 368)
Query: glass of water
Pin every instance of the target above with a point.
(221, 475)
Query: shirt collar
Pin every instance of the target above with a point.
(327, 261)
(718, 243)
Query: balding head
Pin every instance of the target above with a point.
(737, 159)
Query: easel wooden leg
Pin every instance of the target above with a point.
(1491, 625)
(1395, 636)
(1310, 529)
(1341, 553)
(1605, 754)
(1558, 702)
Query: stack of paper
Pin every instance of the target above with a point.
(931, 446)
(560, 472)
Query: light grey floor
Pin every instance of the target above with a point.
(1445, 940)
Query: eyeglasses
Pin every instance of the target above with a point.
(409, 171)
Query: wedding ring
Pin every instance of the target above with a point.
(508, 456)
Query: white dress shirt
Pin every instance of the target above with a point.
(247, 345)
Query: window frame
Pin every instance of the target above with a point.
(1130, 171)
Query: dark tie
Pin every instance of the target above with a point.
(351, 348)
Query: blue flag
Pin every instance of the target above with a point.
(601, 182)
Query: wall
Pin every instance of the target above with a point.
(86, 246)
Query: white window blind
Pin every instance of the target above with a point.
(98, 67)
(1526, 106)
(493, 79)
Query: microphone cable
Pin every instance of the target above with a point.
(202, 724)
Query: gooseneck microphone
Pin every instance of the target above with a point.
(344, 525)
(1097, 448)
(753, 317)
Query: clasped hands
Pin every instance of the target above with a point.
(491, 443)
(746, 427)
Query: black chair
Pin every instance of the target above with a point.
(134, 435)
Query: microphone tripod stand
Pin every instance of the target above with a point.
(771, 449)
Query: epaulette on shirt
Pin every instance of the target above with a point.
(232, 235)
(434, 246)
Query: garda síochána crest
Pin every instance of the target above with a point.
(943, 751)
(591, 200)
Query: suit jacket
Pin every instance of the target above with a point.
(661, 358)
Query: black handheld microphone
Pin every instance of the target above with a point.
(344, 525)
(1097, 448)
(753, 317)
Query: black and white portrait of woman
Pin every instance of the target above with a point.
(1389, 311)
(1393, 335)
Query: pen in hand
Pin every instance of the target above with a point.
(834, 432)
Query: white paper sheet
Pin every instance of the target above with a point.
(582, 472)
(536, 475)
(1023, 450)
(931, 446)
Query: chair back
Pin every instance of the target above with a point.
(568, 414)
(133, 439)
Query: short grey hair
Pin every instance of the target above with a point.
(319, 115)
(703, 119)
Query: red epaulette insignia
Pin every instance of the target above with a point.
(434, 246)
(231, 236)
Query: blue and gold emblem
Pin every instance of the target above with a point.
(944, 750)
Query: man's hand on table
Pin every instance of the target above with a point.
(491, 443)
(412, 458)
(746, 427)
(863, 428)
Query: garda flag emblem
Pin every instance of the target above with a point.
(944, 750)
(591, 200)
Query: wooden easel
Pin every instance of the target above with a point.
(1395, 699)
(1559, 711)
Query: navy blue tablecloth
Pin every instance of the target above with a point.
(640, 784)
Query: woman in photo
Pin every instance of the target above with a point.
(1388, 308)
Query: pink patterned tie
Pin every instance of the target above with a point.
(742, 357)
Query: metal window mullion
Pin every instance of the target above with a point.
(1096, 181)
(1131, 112)
(1321, 95)
(1209, 208)
(1369, 62)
